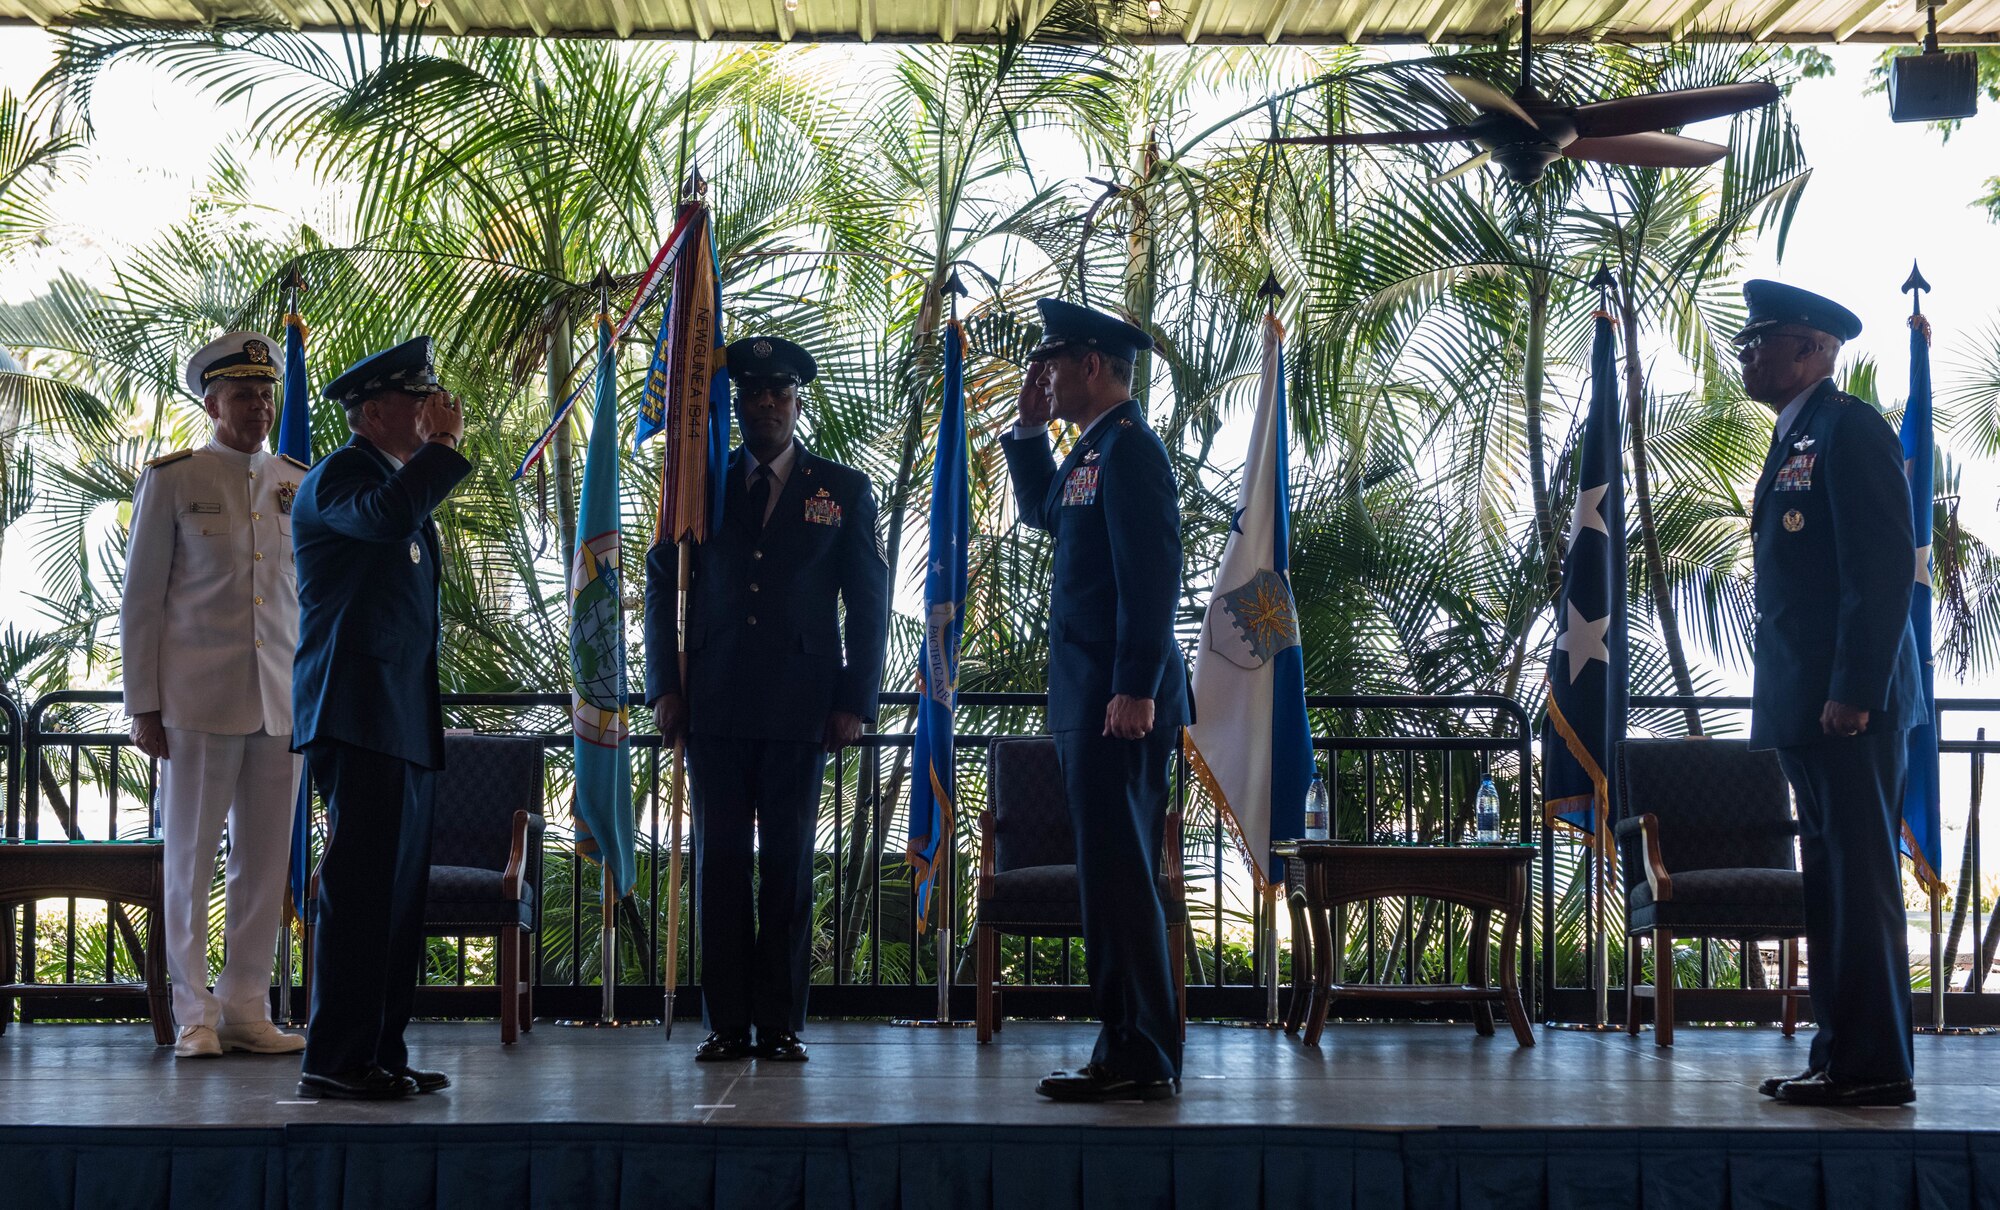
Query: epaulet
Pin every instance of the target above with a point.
(295, 462)
(176, 456)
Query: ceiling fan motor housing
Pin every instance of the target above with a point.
(1933, 86)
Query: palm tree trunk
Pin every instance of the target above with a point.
(1533, 371)
(1642, 493)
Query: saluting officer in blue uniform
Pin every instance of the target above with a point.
(1117, 683)
(1837, 683)
(771, 689)
(366, 710)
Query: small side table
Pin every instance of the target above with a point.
(1322, 875)
(130, 872)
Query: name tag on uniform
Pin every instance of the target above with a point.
(1796, 474)
(822, 509)
(1081, 486)
(205, 508)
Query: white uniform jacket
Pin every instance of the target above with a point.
(211, 612)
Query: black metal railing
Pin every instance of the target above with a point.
(1397, 768)
(1401, 768)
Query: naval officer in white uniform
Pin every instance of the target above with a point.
(209, 621)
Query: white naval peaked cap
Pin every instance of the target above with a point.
(233, 355)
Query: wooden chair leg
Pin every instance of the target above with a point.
(984, 946)
(1632, 955)
(510, 987)
(1663, 987)
(1788, 974)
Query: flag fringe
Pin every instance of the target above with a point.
(1601, 804)
(922, 865)
(1223, 811)
(1926, 877)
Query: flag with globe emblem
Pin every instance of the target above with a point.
(1586, 675)
(604, 824)
(1922, 832)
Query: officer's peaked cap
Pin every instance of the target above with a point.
(1773, 304)
(771, 357)
(233, 355)
(1066, 326)
(405, 367)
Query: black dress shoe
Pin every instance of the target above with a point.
(720, 1048)
(369, 1084)
(1819, 1090)
(1097, 1085)
(782, 1048)
(1769, 1087)
(426, 1081)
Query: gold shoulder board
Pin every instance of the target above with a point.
(176, 456)
(295, 462)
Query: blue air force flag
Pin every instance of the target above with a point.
(598, 712)
(1252, 749)
(932, 792)
(1922, 837)
(1586, 676)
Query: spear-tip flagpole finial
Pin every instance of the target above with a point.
(1914, 286)
(954, 285)
(1271, 291)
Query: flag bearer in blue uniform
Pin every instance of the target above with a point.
(366, 710)
(1117, 684)
(775, 682)
(1837, 683)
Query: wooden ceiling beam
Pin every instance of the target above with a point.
(1685, 22)
(1769, 20)
(864, 24)
(1288, 11)
(1844, 28)
(1197, 20)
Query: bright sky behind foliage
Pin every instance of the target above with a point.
(1881, 195)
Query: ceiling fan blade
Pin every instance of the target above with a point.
(1449, 134)
(1468, 166)
(1485, 97)
(1659, 110)
(1647, 149)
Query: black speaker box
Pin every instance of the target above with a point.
(1933, 86)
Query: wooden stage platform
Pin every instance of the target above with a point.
(1378, 1116)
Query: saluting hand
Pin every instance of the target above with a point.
(1836, 719)
(442, 416)
(1034, 403)
(1128, 717)
(148, 735)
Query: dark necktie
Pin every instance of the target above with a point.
(760, 499)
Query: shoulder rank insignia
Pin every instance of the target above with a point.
(1125, 423)
(176, 456)
(295, 462)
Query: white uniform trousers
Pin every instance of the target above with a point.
(252, 783)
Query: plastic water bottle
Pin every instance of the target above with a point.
(1316, 821)
(1487, 813)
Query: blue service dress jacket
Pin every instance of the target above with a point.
(1835, 562)
(367, 551)
(1114, 512)
(768, 655)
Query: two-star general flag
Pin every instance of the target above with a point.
(1923, 838)
(295, 441)
(604, 824)
(1586, 676)
(1252, 749)
(932, 796)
